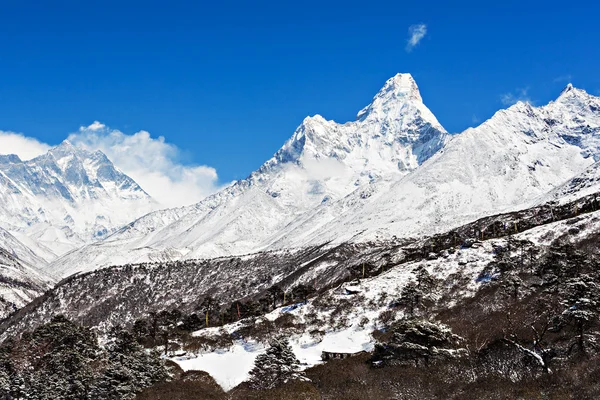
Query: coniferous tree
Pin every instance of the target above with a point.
(301, 292)
(275, 295)
(140, 330)
(581, 297)
(418, 293)
(275, 367)
(409, 298)
(209, 308)
(61, 360)
(129, 370)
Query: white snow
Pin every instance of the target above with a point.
(229, 367)
(393, 172)
(23, 280)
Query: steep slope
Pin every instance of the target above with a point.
(21, 279)
(20, 250)
(66, 198)
(481, 291)
(322, 162)
(587, 182)
(506, 163)
(119, 295)
(511, 318)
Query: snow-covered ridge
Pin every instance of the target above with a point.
(396, 119)
(349, 329)
(575, 117)
(583, 184)
(506, 163)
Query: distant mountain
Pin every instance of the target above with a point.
(66, 198)
(321, 163)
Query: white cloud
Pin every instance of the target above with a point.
(563, 78)
(25, 147)
(415, 34)
(95, 126)
(153, 163)
(508, 99)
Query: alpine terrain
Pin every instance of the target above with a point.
(380, 258)
(392, 172)
(22, 276)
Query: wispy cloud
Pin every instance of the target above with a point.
(415, 34)
(563, 78)
(475, 119)
(25, 147)
(151, 162)
(520, 94)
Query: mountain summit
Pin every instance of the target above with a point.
(396, 126)
(508, 162)
(397, 90)
(66, 197)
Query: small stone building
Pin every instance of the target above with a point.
(331, 355)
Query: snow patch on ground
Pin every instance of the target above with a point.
(229, 367)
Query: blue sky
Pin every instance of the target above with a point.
(226, 83)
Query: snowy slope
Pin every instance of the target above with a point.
(20, 250)
(506, 163)
(66, 198)
(349, 329)
(586, 183)
(21, 278)
(121, 294)
(321, 163)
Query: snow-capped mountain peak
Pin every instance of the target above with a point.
(66, 197)
(64, 147)
(575, 117)
(567, 89)
(397, 90)
(571, 91)
(572, 94)
(395, 124)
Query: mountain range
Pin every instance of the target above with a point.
(393, 172)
